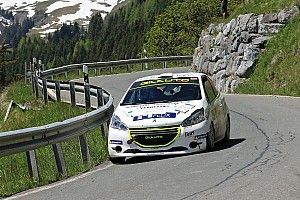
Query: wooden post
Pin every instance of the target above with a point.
(57, 91)
(32, 165)
(45, 92)
(84, 149)
(59, 160)
(87, 96)
(72, 93)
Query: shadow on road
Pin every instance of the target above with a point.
(218, 147)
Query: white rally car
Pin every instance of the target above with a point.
(168, 114)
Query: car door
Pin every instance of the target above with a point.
(220, 104)
(213, 104)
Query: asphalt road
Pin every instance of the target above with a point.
(261, 161)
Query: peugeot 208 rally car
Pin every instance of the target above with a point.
(168, 114)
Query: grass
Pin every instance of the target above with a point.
(14, 176)
(278, 68)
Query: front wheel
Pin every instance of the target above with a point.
(210, 139)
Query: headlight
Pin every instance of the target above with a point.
(117, 123)
(195, 118)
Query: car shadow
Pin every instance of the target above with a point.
(218, 147)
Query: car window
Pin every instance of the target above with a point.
(163, 90)
(209, 89)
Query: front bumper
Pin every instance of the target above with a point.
(118, 145)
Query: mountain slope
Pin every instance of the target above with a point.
(49, 15)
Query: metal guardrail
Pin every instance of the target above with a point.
(29, 139)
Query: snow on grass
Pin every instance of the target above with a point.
(83, 13)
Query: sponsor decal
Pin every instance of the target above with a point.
(116, 142)
(200, 137)
(162, 81)
(151, 137)
(184, 108)
(154, 116)
(189, 134)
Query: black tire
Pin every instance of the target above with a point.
(117, 160)
(227, 133)
(210, 139)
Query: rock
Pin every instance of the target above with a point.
(252, 25)
(269, 18)
(241, 48)
(269, 28)
(229, 27)
(230, 60)
(228, 84)
(219, 39)
(220, 65)
(286, 14)
(245, 36)
(233, 85)
(245, 69)
(207, 42)
(219, 27)
(251, 53)
(220, 81)
(243, 20)
(236, 64)
(217, 54)
(211, 29)
(261, 41)
(226, 46)
(211, 67)
(236, 44)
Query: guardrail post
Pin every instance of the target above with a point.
(66, 75)
(32, 83)
(100, 99)
(84, 149)
(59, 160)
(57, 91)
(72, 93)
(127, 68)
(87, 96)
(36, 86)
(32, 165)
(111, 70)
(101, 102)
(45, 92)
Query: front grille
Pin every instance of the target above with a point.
(154, 137)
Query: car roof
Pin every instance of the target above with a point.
(171, 75)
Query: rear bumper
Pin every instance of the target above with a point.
(118, 143)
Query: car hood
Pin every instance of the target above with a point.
(159, 114)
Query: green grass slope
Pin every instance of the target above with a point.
(278, 69)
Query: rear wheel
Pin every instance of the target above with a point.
(227, 133)
(210, 139)
(117, 160)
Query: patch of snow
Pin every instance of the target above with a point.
(84, 12)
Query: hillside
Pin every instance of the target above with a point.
(278, 67)
(50, 15)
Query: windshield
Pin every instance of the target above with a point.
(163, 90)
